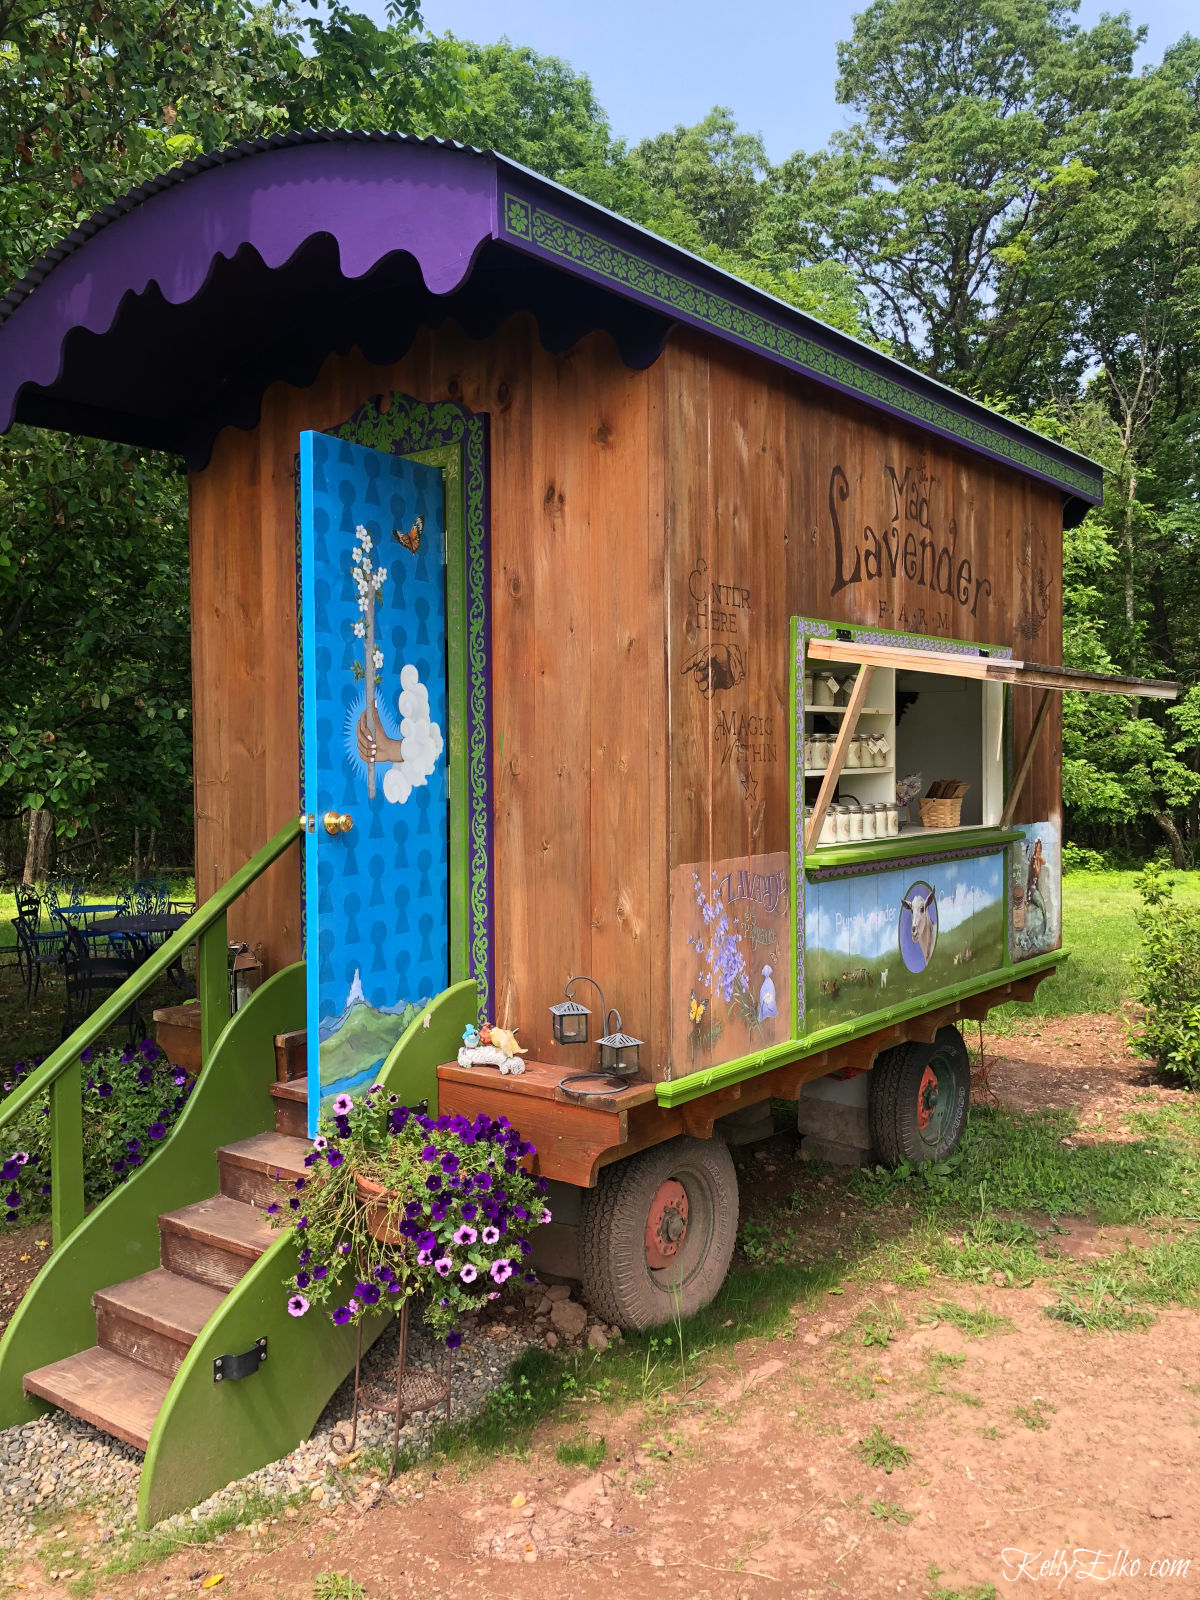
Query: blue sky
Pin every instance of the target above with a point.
(658, 62)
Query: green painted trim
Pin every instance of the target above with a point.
(678, 1091)
(585, 252)
(795, 818)
(212, 984)
(119, 1238)
(66, 1145)
(209, 1434)
(37, 1085)
(448, 458)
(909, 845)
(920, 641)
(430, 1038)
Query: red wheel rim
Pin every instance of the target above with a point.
(666, 1224)
(927, 1098)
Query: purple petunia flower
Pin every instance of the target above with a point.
(305, 1257)
(294, 1204)
(157, 1130)
(342, 1316)
(526, 1247)
(301, 1223)
(302, 1280)
(85, 1055)
(273, 1209)
(453, 1339)
(367, 1293)
(10, 1169)
(501, 1270)
(300, 1183)
(429, 1153)
(483, 1180)
(433, 1183)
(297, 1306)
(150, 1050)
(118, 1166)
(470, 1211)
(450, 1163)
(320, 1273)
(442, 1266)
(465, 1235)
(520, 1211)
(468, 1273)
(179, 1077)
(490, 1234)
(334, 1157)
(344, 1248)
(343, 1105)
(134, 1146)
(13, 1199)
(412, 1210)
(145, 1075)
(105, 1091)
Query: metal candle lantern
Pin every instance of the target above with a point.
(619, 1052)
(245, 975)
(570, 1023)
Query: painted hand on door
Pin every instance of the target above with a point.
(415, 755)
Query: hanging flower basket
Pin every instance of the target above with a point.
(397, 1203)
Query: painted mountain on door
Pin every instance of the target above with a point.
(362, 1033)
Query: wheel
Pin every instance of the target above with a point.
(919, 1096)
(657, 1232)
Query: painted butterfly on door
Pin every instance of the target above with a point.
(412, 539)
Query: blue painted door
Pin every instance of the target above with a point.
(373, 603)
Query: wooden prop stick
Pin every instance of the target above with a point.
(370, 620)
(1022, 772)
(838, 759)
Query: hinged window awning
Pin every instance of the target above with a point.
(989, 669)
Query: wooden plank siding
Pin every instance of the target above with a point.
(619, 769)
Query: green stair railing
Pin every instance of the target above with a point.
(60, 1075)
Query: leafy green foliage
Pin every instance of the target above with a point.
(879, 1449)
(1166, 974)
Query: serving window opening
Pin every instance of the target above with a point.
(907, 739)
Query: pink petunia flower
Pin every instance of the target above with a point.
(297, 1305)
(320, 1142)
(546, 1217)
(343, 1105)
(501, 1270)
(490, 1235)
(465, 1235)
(468, 1273)
(442, 1266)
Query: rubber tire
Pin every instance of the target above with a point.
(618, 1282)
(894, 1089)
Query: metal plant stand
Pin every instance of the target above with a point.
(413, 1391)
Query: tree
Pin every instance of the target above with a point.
(947, 197)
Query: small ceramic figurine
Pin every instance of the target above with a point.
(506, 1038)
(485, 1034)
(470, 1036)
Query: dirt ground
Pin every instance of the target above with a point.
(1033, 1457)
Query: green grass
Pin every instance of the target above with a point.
(337, 1586)
(880, 1450)
(974, 1322)
(143, 1549)
(581, 1452)
(1100, 932)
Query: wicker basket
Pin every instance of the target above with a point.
(940, 813)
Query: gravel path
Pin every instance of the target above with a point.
(58, 1463)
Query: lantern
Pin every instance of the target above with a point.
(570, 1023)
(245, 975)
(619, 1054)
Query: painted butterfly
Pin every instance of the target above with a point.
(412, 539)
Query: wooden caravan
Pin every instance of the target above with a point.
(601, 616)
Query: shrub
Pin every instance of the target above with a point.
(1166, 976)
(1079, 858)
(130, 1100)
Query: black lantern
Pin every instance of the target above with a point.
(619, 1054)
(570, 1023)
(245, 975)
(619, 1059)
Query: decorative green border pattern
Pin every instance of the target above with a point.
(534, 226)
(443, 434)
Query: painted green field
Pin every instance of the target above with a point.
(975, 946)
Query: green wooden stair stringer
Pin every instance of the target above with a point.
(119, 1238)
(206, 1435)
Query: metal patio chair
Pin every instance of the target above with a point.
(88, 978)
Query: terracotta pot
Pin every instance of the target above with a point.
(375, 1197)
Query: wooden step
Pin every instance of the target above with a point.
(291, 1108)
(155, 1318)
(248, 1169)
(110, 1391)
(214, 1241)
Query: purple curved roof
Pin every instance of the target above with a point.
(164, 317)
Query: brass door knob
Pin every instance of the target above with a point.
(337, 823)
